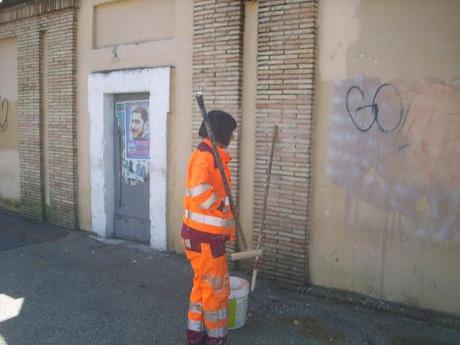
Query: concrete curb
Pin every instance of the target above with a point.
(359, 300)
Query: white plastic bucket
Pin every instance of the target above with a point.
(238, 302)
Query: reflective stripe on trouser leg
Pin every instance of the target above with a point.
(215, 316)
(195, 317)
(211, 288)
(218, 328)
(195, 307)
(220, 332)
(195, 325)
(216, 322)
(215, 287)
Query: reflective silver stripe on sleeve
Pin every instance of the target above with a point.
(197, 190)
(194, 325)
(208, 203)
(214, 316)
(195, 308)
(209, 220)
(217, 332)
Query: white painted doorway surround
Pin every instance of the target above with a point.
(101, 88)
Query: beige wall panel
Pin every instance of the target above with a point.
(386, 202)
(176, 52)
(9, 68)
(133, 21)
(248, 125)
(8, 93)
(9, 156)
(8, 117)
(9, 172)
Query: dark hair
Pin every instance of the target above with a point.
(143, 112)
(222, 124)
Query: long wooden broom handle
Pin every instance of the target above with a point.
(267, 186)
(220, 166)
(264, 208)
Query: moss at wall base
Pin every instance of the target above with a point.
(10, 204)
(51, 214)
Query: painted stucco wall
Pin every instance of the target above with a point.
(157, 50)
(9, 154)
(167, 40)
(386, 197)
(248, 124)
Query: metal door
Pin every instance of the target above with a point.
(132, 161)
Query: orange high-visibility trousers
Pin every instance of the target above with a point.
(207, 312)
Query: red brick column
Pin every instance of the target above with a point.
(285, 89)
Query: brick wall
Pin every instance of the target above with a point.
(218, 63)
(28, 22)
(285, 88)
(218, 66)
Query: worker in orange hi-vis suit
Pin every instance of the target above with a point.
(208, 223)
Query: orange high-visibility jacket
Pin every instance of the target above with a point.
(206, 204)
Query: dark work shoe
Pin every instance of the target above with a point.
(218, 341)
(196, 338)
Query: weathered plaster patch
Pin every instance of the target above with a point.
(101, 87)
(339, 30)
(395, 146)
(9, 171)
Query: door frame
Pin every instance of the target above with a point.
(101, 89)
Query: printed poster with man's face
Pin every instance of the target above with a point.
(137, 130)
(133, 119)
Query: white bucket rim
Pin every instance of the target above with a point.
(239, 287)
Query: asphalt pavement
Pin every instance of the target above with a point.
(60, 287)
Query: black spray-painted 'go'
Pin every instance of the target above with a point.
(374, 108)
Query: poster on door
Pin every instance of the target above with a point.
(133, 120)
(137, 130)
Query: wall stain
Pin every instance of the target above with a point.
(395, 146)
(314, 328)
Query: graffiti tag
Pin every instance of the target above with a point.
(375, 109)
(4, 108)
